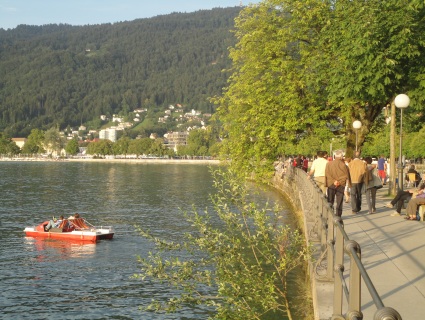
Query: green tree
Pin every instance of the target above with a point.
(158, 148)
(246, 261)
(34, 143)
(100, 148)
(310, 68)
(122, 146)
(140, 146)
(378, 143)
(72, 147)
(53, 140)
(416, 147)
(7, 146)
(198, 142)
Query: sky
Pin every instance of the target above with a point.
(84, 12)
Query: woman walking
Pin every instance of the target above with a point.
(372, 183)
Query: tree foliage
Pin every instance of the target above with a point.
(309, 68)
(53, 141)
(245, 260)
(72, 147)
(34, 143)
(200, 142)
(7, 146)
(100, 148)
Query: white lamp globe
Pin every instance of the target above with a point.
(402, 101)
(357, 124)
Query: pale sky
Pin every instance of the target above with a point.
(84, 12)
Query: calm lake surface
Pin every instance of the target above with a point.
(46, 279)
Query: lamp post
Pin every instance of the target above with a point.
(357, 125)
(402, 102)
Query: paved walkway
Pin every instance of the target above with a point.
(393, 253)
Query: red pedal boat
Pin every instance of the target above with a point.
(71, 229)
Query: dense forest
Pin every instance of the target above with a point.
(63, 75)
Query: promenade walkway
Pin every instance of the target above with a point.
(393, 253)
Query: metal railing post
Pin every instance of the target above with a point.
(352, 248)
(328, 229)
(338, 268)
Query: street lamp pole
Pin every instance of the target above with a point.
(357, 125)
(401, 101)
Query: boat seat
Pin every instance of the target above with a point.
(80, 224)
(64, 224)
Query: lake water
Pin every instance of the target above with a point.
(46, 279)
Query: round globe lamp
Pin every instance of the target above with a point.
(401, 101)
(357, 125)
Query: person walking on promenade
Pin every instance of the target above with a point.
(337, 176)
(347, 187)
(305, 163)
(372, 183)
(382, 168)
(317, 170)
(299, 161)
(357, 170)
(402, 196)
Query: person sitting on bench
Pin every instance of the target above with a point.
(412, 205)
(406, 195)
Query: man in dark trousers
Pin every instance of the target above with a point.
(337, 176)
(357, 170)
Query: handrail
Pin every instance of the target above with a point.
(324, 227)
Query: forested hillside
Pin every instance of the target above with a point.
(62, 75)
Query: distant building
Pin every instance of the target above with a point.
(116, 118)
(110, 134)
(175, 139)
(19, 141)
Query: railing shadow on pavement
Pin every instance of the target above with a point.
(326, 231)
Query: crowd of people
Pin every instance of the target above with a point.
(340, 178)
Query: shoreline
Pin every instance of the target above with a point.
(126, 160)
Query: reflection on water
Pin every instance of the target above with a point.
(52, 279)
(59, 249)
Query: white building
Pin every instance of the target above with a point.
(175, 139)
(109, 134)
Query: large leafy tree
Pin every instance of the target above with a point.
(140, 146)
(100, 148)
(122, 146)
(309, 68)
(34, 142)
(7, 146)
(53, 140)
(72, 147)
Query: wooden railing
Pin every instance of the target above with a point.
(326, 230)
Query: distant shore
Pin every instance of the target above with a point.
(110, 160)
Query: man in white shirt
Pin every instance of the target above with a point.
(318, 171)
